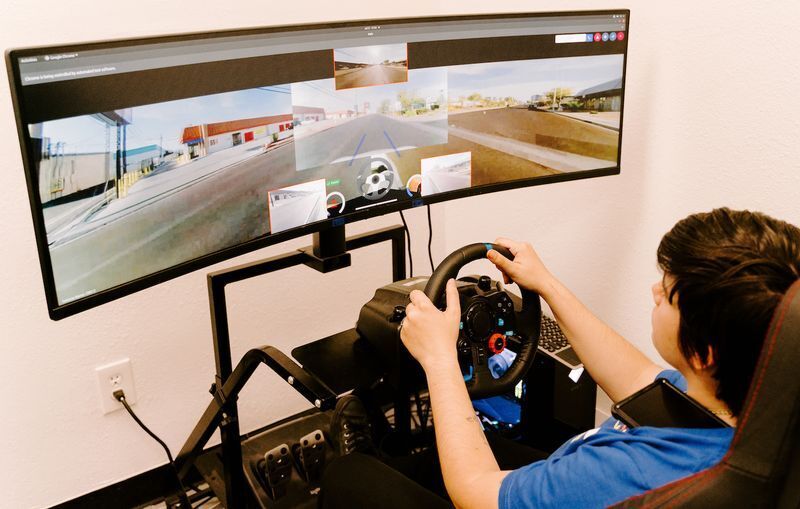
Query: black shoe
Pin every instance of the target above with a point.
(351, 430)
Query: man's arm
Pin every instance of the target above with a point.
(617, 366)
(471, 474)
(469, 469)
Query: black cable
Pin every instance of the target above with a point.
(427, 407)
(419, 411)
(408, 245)
(430, 238)
(120, 396)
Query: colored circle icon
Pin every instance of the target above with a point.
(605, 36)
(334, 202)
(620, 36)
(597, 37)
(612, 36)
(414, 185)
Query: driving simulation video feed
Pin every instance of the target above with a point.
(446, 173)
(127, 193)
(529, 118)
(559, 114)
(297, 205)
(338, 127)
(370, 65)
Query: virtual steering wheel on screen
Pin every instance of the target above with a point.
(374, 183)
(490, 322)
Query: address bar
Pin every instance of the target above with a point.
(570, 38)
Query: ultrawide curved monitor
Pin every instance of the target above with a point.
(150, 158)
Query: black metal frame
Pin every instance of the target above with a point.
(330, 251)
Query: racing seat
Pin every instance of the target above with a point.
(762, 466)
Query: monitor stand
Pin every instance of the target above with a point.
(329, 251)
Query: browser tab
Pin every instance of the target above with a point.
(61, 56)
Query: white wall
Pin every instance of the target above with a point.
(707, 123)
(711, 119)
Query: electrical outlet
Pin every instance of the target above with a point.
(117, 375)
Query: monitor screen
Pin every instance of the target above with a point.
(149, 158)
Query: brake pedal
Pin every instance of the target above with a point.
(278, 470)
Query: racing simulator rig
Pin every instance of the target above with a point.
(178, 152)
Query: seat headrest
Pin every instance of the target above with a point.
(766, 427)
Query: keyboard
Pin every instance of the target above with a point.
(553, 342)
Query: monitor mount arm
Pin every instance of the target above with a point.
(329, 252)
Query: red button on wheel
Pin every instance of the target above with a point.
(497, 343)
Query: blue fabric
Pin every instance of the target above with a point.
(608, 464)
(499, 408)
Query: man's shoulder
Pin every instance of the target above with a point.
(608, 464)
(674, 377)
(659, 443)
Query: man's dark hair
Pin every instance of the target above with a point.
(731, 269)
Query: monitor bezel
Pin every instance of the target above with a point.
(58, 311)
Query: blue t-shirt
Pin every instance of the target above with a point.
(608, 464)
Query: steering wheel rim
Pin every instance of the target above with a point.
(528, 319)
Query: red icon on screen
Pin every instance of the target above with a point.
(620, 36)
(598, 37)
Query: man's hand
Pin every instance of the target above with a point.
(617, 366)
(429, 334)
(526, 269)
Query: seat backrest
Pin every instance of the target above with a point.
(762, 466)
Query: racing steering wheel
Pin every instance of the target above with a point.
(486, 318)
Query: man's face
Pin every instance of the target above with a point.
(666, 320)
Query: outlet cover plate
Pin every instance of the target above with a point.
(117, 375)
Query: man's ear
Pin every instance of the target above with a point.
(698, 364)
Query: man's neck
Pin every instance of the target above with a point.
(702, 388)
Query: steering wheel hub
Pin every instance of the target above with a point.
(479, 320)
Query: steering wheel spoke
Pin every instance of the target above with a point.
(514, 343)
(481, 376)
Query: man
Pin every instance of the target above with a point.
(724, 273)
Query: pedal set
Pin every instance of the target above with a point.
(307, 457)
